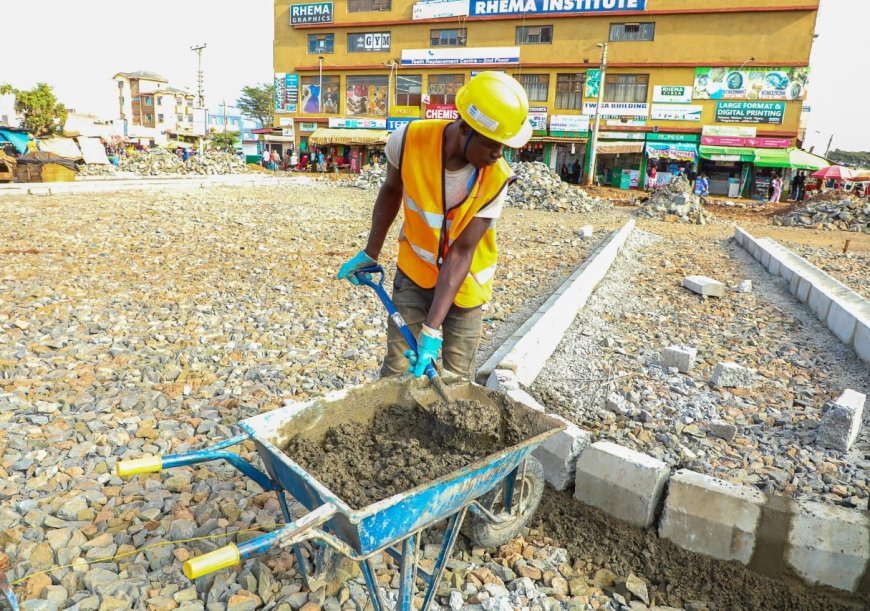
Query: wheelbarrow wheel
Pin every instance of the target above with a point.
(528, 491)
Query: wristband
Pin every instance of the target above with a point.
(427, 330)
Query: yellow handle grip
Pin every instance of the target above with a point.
(148, 464)
(212, 561)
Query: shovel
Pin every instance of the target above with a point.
(363, 276)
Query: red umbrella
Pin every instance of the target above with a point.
(836, 172)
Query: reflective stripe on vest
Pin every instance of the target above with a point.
(421, 244)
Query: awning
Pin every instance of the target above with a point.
(788, 158)
(611, 148)
(327, 135)
(278, 138)
(802, 160)
(726, 153)
(685, 151)
(62, 147)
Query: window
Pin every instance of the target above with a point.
(366, 95)
(569, 91)
(321, 43)
(149, 117)
(409, 88)
(632, 31)
(443, 88)
(122, 100)
(455, 37)
(190, 118)
(149, 101)
(361, 6)
(367, 42)
(160, 118)
(136, 98)
(159, 101)
(179, 118)
(311, 94)
(534, 34)
(535, 85)
(626, 88)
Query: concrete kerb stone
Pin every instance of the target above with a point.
(559, 453)
(621, 482)
(861, 343)
(819, 302)
(528, 349)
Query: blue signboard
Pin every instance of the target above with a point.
(291, 92)
(317, 12)
(394, 123)
(531, 7)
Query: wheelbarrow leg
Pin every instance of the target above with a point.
(446, 548)
(368, 572)
(319, 551)
(408, 572)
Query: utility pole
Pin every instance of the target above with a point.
(590, 176)
(198, 49)
(828, 149)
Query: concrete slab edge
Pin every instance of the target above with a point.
(839, 308)
(526, 351)
(127, 184)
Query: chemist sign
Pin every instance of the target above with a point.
(543, 7)
(315, 12)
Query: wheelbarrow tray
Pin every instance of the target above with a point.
(382, 523)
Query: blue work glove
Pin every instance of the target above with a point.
(428, 345)
(349, 269)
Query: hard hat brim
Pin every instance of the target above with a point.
(521, 138)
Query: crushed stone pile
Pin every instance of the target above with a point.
(845, 213)
(539, 188)
(371, 177)
(675, 202)
(162, 162)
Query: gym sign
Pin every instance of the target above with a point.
(317, 12)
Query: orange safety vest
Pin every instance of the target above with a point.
(430, 229)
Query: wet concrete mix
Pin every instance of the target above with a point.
(403, 447)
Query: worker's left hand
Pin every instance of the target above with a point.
(428, 345)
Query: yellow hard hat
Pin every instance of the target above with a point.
(495, 105)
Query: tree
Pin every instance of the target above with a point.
(43, 114)
(224, 141)
(6, 88)
(257, 102)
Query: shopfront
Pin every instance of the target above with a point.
(728, 169)
(619, 159)
(670, 153)
(348, 144)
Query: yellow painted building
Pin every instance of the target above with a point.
(731, 72)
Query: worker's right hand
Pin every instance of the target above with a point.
(349, 269)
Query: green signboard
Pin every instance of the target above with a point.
(750, 112)
(660, 137)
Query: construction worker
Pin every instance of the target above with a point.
(451, 181)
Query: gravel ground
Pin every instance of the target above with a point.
(606, 376)
(851, 268)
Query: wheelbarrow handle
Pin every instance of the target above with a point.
(302, 529)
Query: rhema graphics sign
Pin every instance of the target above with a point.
(530, 7)
(316, 12)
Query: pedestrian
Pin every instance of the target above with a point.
(450, 180)
(575, 171)
(802, 184)
(294, 159)
(266, 158)
(563, 172)
(793, 193)
(776, 184)
(651, 176)
(693, 176)
(320, 161)
(276, 160)
(702, 187)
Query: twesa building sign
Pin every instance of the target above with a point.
(527, 7)
(315, 12)
(750, 112)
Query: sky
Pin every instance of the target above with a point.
(81, 45)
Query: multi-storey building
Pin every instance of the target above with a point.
(714, 85)
(152, 110)
(227, 118)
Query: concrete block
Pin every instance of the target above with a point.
(710, 516)
(841, 322)
(819, 302)
(739, 236)
(621, 482)
(681, 357)
(765, 258)
(774, 266)
(585, 231)
(722, 429)
(829, 545)
(842, 422)
(786, 272)
(861, 342)
(732, 375)
(559, 455)
(704, 286)
(794, 283)
(803, 290)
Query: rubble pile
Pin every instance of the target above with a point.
(846, 213)
(161, 162)
(539, 188)
(675, 202)
(370, 177)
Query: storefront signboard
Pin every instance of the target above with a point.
(307, 126)
(761, 142)
(621, 135)
(441, 111)
(617, 109)
(451, 56)
(672, 94)
(291, 92)
(593, 83)
(436, 10)
(285, 121)
(369, 41)
(750, 112)
(676, 112)
(405, 111)
(625, 122)
(549, 7)
(394, 123)
(315, 12)
(569, 124)
(357, 123)
(750, 83)
(729, 130)
(288, 132)
(672, 150)
(538, 118)
(280, 90)
(660, 137)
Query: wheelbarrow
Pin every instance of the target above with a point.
(501, 490)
